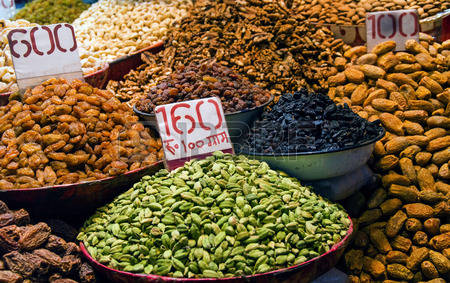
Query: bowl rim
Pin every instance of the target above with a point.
(378, 137)
(93, 182)
(152, 115)
(341, 244)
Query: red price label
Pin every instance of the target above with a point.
(7, 9)
(42, 52)
(192, 129)
(398, 26)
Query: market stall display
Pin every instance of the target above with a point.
(63, 133)
(403, 232)
(110, 29)
(346, 12)
(45, 12)
(237, 216)
(72, 146)
(262, 41)
(32, 253)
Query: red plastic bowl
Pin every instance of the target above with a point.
(301, 273)
(78, 199)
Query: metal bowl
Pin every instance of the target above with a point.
(75, 199)
(238, 123)
(320, 165)
(301, 273)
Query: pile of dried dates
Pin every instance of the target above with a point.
(308, 122)
(31, 253)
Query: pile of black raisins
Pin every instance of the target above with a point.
(307, 122)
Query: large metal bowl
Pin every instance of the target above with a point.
(301, 273)
(238, 123)
(319, 165)
(78, 199)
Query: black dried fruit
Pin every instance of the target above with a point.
(307, 122)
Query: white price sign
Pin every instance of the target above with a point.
(398, 26)
(41, 52)
(192, 129)
(7, 9)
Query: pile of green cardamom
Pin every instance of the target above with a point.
(223, 216)
(45, 12)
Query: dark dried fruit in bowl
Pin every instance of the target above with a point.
(307, 122)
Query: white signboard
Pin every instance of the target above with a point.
(42, 52)
(398, 26)
(192, 129)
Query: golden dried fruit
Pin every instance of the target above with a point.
(422, 158)
(384, 105)
(419, 210)
(395, 223)
(406, 194)
(423, 93)
(400, 79)
(438, 143)
(354, 75)
(372, 72)
(392, 123)
(383, 47)
(359, 94)
(387, 85)
(416, 115)
(439, 122)
(396, 144)
(407, 168)
(373, 266)
(369, 59)
(431, 85)
(390, 206)
(387, 162)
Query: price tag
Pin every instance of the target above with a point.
(7, 9)
(42, 52)
(398, 26)
(192, 129)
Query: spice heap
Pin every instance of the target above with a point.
(223, 216)
(45, 12)
(262, 40)
(305, 122)
(404, 234)
(204, 80)
(349, 12)
(31, 253)
(114, 28)
(66, 133)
